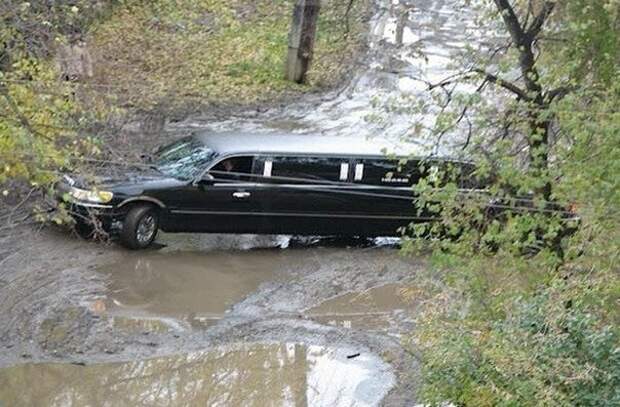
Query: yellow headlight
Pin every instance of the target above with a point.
(91, 195)
(105, 196)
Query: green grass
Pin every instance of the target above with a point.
(187, 52)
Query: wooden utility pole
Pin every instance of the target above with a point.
(301, 39)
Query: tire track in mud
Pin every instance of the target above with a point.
(41, 282)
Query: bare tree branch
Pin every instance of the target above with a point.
(559, 93)
(511, 20)
(347, 27)
(540, 19)
(522, 94)
(523, 43)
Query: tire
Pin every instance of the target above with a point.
(140, 227)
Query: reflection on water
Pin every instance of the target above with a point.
(196, 285)
(196, 289)
(379, 299)
(372, 308)
(249, 375)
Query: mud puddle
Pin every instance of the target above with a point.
(372, 309)
(177, 291)
(195, 287)
(254, 374)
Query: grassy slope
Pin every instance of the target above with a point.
(189, 52)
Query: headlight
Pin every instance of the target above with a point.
(90, 195)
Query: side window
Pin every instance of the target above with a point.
(234, 168)
(392, 172)
(310, 168)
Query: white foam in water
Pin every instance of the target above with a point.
(335, 380)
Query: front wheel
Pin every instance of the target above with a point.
(140, 227)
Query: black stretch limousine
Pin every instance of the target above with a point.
(271, 184)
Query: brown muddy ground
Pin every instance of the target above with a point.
(81, 312)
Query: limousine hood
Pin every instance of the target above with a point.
(119, 182)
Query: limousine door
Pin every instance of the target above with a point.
(226, 200)
(307, 195)
(387, 197)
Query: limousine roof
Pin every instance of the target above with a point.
(240, 143)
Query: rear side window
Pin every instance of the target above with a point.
(308, 168)
(391, 172)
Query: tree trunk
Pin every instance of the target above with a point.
(301, 39)
(538, 142)
(523, 38)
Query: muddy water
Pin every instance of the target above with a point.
(186, 282)
(159, 291)
(370, 309)
(249, 375)
(194, 287)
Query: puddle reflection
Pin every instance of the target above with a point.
(196, 285)
(198, 288)
(249, 375)
(371, 309)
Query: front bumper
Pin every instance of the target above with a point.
(106, 216)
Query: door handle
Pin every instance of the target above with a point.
(241, 195)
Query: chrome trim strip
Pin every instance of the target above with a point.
(238, 184)
(309, 215)
(329, 186)
(309, 185)
(91, 205)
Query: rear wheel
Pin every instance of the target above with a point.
(140, 227)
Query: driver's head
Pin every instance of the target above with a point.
(228, 165)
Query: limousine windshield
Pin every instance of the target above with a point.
(185, 159)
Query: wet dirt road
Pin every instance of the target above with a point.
(172, 322)
(412, 44)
